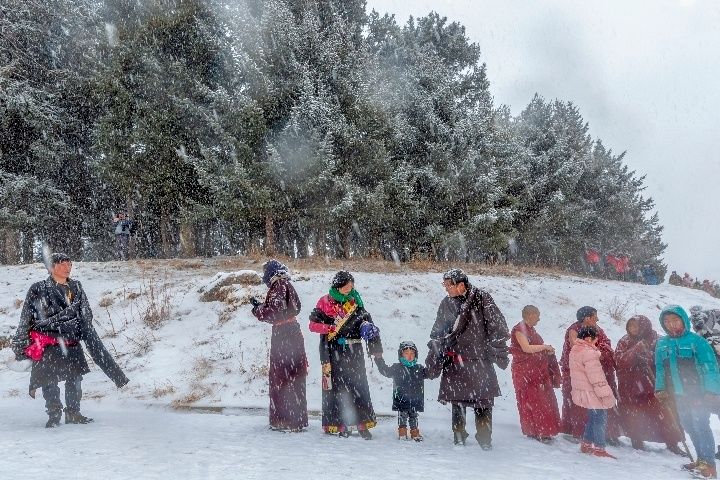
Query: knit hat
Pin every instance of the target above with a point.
(585, 312)
(272, 268)
(455, 276)
(56, 258)
(341, 279)
(586, 332)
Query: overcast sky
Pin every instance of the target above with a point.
(645, 76)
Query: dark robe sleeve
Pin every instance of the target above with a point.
(324, 349)
(497, 331)
(278, 304)
(384, 369)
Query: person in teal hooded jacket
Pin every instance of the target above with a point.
(687, 368)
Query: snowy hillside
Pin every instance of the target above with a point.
(214, 354)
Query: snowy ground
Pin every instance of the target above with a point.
(215, 355)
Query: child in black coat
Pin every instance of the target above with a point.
(408, 388)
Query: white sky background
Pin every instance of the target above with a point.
(645, 76)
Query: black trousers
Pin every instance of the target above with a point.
(408, 415)
(483, 422)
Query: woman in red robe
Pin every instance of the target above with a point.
(642, 416)
(573, 416)
(535, 372)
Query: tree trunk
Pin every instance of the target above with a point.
(269, 235)
(187, 239)
(347, 245)
(12, 247)
(164, 234)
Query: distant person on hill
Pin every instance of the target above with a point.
(123, 229)
(675, 279)
(650, 275)
(592, 258)
(687, 280)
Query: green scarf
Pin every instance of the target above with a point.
(353, 295)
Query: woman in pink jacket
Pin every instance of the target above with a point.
(590, 390)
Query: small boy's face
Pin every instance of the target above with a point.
(408, 354)
(674, 325)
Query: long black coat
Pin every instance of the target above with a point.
(46, 310)
(408, 385)
(288, 362)
(348, 403)
(468, 338)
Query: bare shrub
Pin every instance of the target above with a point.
(163, 390)
(157, 301)
(198, 393)
(618, 310)
(106, 301)
(4, 342)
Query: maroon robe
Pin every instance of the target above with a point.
(534, 375)
(574, 417)
(288, 363)
(642, 416)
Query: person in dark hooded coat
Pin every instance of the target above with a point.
(288, 363)
(408, 388)
(55, 318)
(468, 338)
(343, 323)
(643, 417)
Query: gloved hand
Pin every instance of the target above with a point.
(437, 346)
(326, 368)
(369, 331)
(70, 329)
(255, 302)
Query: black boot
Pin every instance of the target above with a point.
(344, 434)
(717, 455)
(365, 434)
(76, 418)
(54, 419)
(483, 426)
(460, 436)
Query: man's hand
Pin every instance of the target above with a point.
(326, 368)
(255, 302)
(549, 349)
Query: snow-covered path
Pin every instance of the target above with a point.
(130, 441)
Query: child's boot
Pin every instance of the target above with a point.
(601, 452)
(586, 447)
(705, 470)
(415, 434)
(402, 433)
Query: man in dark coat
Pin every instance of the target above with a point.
(56, 316)
(469, 336)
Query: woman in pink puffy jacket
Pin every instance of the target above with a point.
(590, 390)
